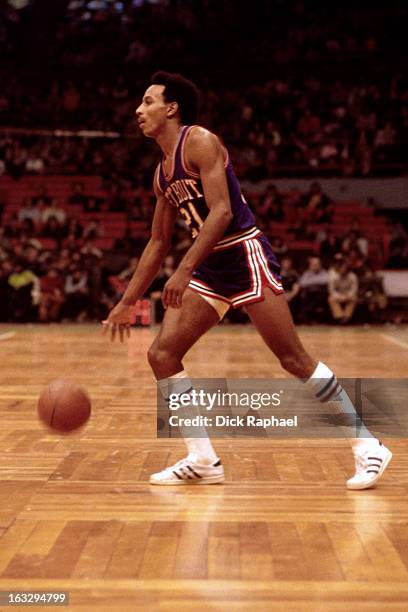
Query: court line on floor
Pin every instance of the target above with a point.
(395, 341)
(7, 335)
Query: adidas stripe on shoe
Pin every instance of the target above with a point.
(371, 461)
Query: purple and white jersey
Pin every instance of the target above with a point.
(183, 188)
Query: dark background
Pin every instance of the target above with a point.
(296, 89)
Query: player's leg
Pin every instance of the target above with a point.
(336, 308)
(180, 330)
(273, 320)
(349, 308)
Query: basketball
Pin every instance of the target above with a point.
(64, 406)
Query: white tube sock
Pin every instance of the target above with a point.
(200, 449)
(328, 390)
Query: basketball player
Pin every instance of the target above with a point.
(230, 264)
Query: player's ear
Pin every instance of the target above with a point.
(172, 109)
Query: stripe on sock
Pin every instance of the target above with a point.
(326, 386)
(331, 389)
(332, 394)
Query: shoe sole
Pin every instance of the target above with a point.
(362, 486)
(202, 481)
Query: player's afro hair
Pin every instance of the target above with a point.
(181, 90)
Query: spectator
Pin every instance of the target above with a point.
(329, 244)
(73, 227)
(71, 242)
(55, 211)
(290, 282)
(52, 229)
(313, 283)
(30, 211)
(398, 258)
(356, 260)
(385, 136)
(156, 288)
(93, 230)
(5, 244)
(319, 207)
(24, 288)
(51, 296)
(76, 292)
(34, 161)
(13, 227)
(337, 262)
(27, 229)
(92, 265)
(398, 236)
(279, 246)
(90, 250)
(270, 207)
(6, 268)
(358, 238)
(343, 293)
(372, 295)
(32, 259)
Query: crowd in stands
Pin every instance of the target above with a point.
(293, 87)
(339, 110)
(284, 126)
(340, 282)
(74, 279)
(320, 294)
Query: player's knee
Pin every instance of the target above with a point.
(153, 355)
(158, 356)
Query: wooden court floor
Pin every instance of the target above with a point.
(283, 533)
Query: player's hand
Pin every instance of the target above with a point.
(174, 289)
(118, 321)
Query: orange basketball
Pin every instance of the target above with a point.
(64, 406)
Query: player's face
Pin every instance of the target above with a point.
(152, 112)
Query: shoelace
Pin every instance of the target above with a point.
(179, 464)
(171, 468)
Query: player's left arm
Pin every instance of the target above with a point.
(205, 155)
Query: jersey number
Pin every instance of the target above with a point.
(191, 218)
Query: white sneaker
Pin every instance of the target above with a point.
(371, 460)
(187, 472)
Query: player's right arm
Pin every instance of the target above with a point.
(149, 263)
(154, 252)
